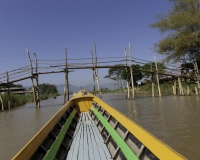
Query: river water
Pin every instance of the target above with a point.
(172, 119)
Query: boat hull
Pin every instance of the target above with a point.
(123, 138)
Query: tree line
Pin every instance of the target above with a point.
(44, 88)
(47, 89)
(120, 75)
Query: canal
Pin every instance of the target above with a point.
(172, 119)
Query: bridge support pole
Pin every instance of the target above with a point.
(132, 82)
(66, 86)
(180, 87)
(152, 89)
(93, 72)
(128, 91)
(32, 80)
(196, 91)
(181, 92)
(1, 99)
(174, 87)
(197, 74)
(96, 72)
(37, 82)
(157, 76)
(152, 81)
(8, 91)
(188, 90)
(127, 79)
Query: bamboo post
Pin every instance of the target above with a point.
(37, 82)
(1, 99)
(157, 76)
(180, 87)
(197, 73)
(133, 92)
(179, 82)
(188, 90)
(34, 94)
(97, 77)
(8, 90)
(173, 90)
(67, 84)
(93, 70)
(196, 91)
(127, 84)
(152, 81)
(66, 77)
(174, 87)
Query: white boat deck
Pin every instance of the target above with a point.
(88, 143)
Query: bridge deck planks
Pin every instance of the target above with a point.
(87, 142)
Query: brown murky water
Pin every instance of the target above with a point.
(174, 120)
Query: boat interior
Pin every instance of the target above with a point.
(87, 128)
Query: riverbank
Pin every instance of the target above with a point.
(19, 100)
(166, 89)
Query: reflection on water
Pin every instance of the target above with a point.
(172, 119)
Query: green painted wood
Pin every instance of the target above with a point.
(51, 153)
(128, 153)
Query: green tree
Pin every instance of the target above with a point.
(47, 89)
(120, 74)
(181, 28)
(137, 74)
(151, 67)
(115, 74)
(13, 85)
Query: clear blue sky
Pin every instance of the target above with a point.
(47, 27)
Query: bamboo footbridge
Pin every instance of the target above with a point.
(37, 67)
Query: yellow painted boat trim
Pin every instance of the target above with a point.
(27, 151)
(84, 99)
(157, 147)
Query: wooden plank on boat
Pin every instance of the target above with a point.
(70, 152)
(69, 156)
(75, 145)
(87, 142)
(105, 154)
(81, 145)
(90, 146)
(93, 144)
